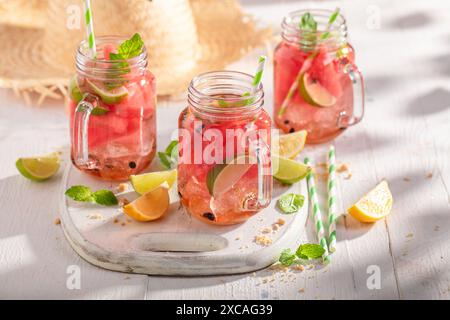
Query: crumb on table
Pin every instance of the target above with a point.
(123, 202)
(57, 221)
(122, 187)
(263, 240)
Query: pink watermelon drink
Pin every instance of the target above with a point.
(223, 135)
(313, 72)
(112, 109)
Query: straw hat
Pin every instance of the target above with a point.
(183, 38)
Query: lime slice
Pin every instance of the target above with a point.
(74, 90)
(112, 96)
(313, 93)
(222, 177)
(290, 145)
(39, 168)
(146, 182)
(288, 171)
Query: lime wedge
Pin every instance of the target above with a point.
(39, 168)
(74, 90)
(112, 96)
(146, 182)
(222, 177)
(315, 94)
(288, 171)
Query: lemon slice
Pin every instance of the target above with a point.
(150, 206)
(375, 205)
(148, 181)
(314, 93)
(288, 171)
(39, 168)
(223, 177)
(290, 145)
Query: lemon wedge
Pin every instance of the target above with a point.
(290, 145)
(150, 206)
(375, 205)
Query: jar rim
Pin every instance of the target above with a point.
(101, 67)
(338, 30)
(223, 92)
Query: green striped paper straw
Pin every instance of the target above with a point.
(332, 199)
(259, 73)
(90, 28)
(317, 215)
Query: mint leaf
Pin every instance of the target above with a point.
(310, 251)
(85, 194)
(308, 26)
(169, 158)
(291, 202)
(308, 23)
(165, 160)
(128, 49)
(105, 198)
(172, 147)
(131, 48)
(287, 257)
(80, 193)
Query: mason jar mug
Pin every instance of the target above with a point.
(317, 86)
(224, 170)
(112, 106)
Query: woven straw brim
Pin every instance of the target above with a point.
(221, 33)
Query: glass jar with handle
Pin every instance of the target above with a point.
(224, 170)
(318, 87)
(112, 106)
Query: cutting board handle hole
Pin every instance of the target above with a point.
(179, 242)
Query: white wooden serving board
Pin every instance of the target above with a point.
(177, 244)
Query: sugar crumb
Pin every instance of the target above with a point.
(266, 230)
(122, 187)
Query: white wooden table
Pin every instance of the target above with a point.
(403, 138)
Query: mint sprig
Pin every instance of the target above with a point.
(287, 257)
(308, 26)
(128, 49)
(306, 251)
(169, 158)
(85, 194)
(310, 251)
(290, 203)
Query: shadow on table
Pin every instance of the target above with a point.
(378, 84)
(411, 21)
(34, 254)
(361, 141)
(441, 64)
(435, 101)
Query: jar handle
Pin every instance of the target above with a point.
(345, 120)
(263, 159)
(80, 137)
